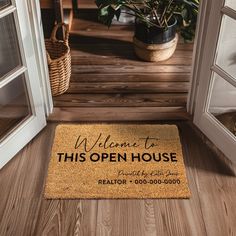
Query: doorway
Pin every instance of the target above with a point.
(109, 83)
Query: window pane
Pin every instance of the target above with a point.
(4, 3)
(226, 52)
(223, 103)
(9, 49)
(14, 105)
(231, 4)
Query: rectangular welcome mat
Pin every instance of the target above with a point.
(116, 161)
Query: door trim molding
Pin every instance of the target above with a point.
(39, 46)
(204, 12)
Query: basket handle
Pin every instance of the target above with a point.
(54, 32)
(48, 58)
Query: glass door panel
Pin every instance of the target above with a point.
(14, 105)
(222, 103)
(14, 100)
(226, 50)
(10, 57)
(231, 4)
(4, 4)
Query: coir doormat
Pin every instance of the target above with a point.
(116, 161)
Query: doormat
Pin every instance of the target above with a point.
(116, 161)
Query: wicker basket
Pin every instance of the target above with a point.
(59, 61)
(155, 52)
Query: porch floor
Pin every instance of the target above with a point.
(211, 210)
(110, 83)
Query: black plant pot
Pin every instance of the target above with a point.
(155, 43)
(154, 34)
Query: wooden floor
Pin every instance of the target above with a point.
(110, 83)
(210, 211)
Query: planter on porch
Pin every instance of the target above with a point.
(155, 43)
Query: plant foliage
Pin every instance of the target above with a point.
(154, 13)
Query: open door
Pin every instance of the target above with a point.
(22, 113)
(215, 109)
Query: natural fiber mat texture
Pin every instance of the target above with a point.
(116, 161)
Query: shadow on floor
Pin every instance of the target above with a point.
(199, 155)
(103, 46)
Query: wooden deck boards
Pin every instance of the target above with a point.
(107, 75)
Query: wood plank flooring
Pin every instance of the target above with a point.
(210, 211)
(108, 77)
(87, 4)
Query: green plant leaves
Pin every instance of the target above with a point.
(154, 13)
(108, 9)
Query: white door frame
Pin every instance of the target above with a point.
(39, 47)
(204, 12)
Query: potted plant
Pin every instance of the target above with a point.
(156, 25)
